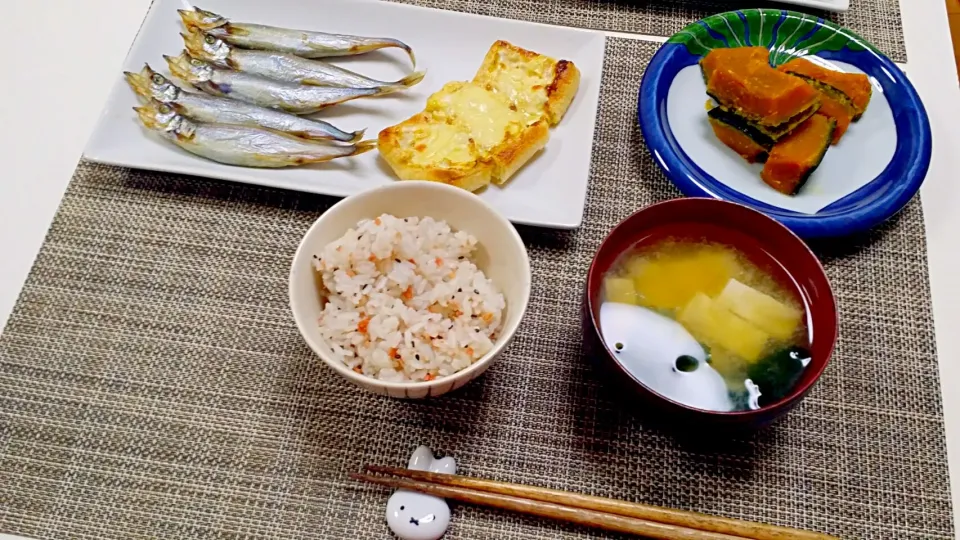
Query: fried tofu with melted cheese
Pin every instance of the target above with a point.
(473, 133)
(466, 137)
(537, 85)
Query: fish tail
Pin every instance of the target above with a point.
(348, 137)
(359, 148)
(356, 136)
(413, 57)
(335, 134)
(363, 147)
(412, 79)
(398, 44)
(402, 84)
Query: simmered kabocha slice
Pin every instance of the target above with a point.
(794, 159)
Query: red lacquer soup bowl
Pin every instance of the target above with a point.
(765, 243)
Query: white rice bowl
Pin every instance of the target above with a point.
(403, 300)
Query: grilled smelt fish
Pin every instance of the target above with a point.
(284, 66)
(241, 145)
(292, 98)
(299, 42)
(149, 84)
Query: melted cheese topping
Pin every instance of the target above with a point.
(466, 124)
(437, 143)
(523, 82)
(487, 118)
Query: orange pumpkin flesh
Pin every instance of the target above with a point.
(722, 57)
(855, 86)
(737, 141)
(760, 93)
(793, 159)
(842, 113)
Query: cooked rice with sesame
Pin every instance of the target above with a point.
(404, 302)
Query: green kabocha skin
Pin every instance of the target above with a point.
(741, 124)
(831, 91)
(819, 160)
(772, 133)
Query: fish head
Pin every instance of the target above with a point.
(159, 116)
(201, 19)
(190, 69)
(206, 46)
(148, 84)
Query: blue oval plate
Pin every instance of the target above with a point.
(868, 177)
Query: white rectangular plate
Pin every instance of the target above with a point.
(549, 191)
(829, 5)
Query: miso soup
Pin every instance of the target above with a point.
(701, 324)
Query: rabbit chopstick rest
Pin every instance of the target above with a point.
(415, 516)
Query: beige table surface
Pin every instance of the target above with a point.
(59, 67)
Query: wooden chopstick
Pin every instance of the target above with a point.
(580, 516)
(679, 518)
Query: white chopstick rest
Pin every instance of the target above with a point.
(416, 516)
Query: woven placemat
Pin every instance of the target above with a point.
(153, 384)
(876, 20)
